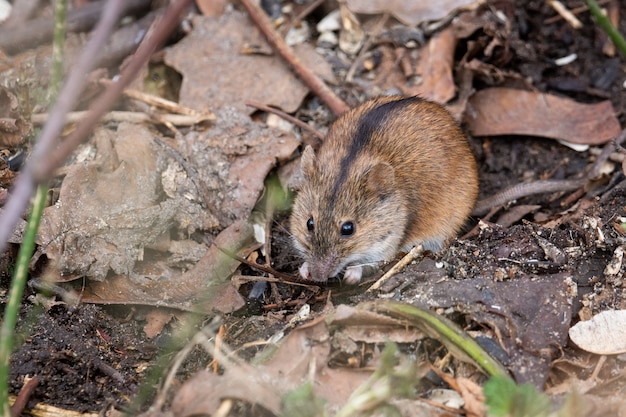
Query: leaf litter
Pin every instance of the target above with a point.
(141, 218)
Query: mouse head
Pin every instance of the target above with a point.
(348, 218)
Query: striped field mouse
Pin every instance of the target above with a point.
(391, 173)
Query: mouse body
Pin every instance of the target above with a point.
(392, 173)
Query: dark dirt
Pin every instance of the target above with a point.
(92, 356)
(89, 358)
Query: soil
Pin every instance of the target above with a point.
(92, 358)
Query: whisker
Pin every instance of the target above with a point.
(373, 263)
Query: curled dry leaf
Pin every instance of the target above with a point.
(109, 209)
(126, 217)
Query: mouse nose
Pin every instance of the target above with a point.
(324, 267)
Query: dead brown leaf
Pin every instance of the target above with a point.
(301, 356)
(111, 210)
(508, 111)
(305, 349)
(472, 394)
(203, 394)
(220, 75)
(156, 319)
(203, 288)
(435, 67)
(108, 210)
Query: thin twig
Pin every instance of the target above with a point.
(565, 14)
(58, 48)
(415, 253)
(129, 116)
(285, 116)
(162, 103)
(282, 277)
(574, 11)
(24, 396)
(162, 29)
(14, 40)
(317, 86)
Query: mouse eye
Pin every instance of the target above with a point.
(310, 225)
(347, 229)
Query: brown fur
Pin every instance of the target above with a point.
(412, 181)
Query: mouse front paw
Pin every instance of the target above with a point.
(353, 275)
(304, 271)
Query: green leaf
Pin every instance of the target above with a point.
(505, 398)
(302, 402)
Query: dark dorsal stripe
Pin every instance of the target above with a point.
(369, 123)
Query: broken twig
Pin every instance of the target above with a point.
(413, 254)
(286, 117)
(317, 86)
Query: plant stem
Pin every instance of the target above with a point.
(605, 23)
(15, 296)
(58, 47)
(7, 331)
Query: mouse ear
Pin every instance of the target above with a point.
(308, 162)
(381, 179)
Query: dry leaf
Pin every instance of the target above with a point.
(435, 67)
(507, 111)
(220, 75)
(604, 334)
(156, 319)
(211, 8)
